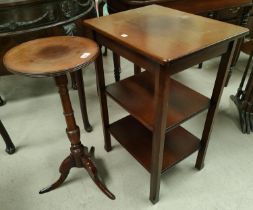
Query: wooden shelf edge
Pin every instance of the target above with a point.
(135, 95)
(137, 140)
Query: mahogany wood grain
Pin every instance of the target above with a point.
(79, 156)
(140, 89)
(225, 63)
(179, 143)
(141, 36)
(231, 11)
(146, 31)
(52, 51)
(51, 56)
(162, 90)
(54, 55)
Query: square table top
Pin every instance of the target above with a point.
(163, 34)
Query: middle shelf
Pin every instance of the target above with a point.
(136, 95)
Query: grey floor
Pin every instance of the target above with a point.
(33, 117)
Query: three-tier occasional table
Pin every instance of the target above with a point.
(164, 42)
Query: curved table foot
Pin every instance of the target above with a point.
(2, 102)
(65, 167)
(10, 148)
(80, 158)
(88, 127)
(92, 171)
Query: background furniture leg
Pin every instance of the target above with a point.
(10, 148)
(200, 66)
(82, 99)
(251, 114)
(137, 69)
(100, 14)
(103, 101)
(73, 81)
(117, 68)
(234, 59)
(239, 91)
(105, 51)
(248, 102)
(2, 102)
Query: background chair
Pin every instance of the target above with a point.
(243, 99)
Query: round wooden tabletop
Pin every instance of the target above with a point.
(51, 56)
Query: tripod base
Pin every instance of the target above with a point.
(80, 158)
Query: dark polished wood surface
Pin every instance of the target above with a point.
(157, 22)
(79, 156)
(178, 111)
(231, 11)
(179, 143)
(50, 56)
(151, 133)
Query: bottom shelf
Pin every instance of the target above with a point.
(137, 140)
